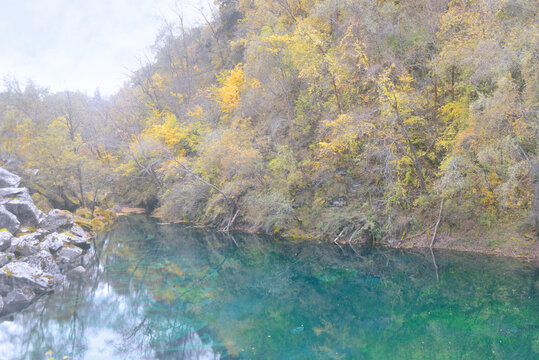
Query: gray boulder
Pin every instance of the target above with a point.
(52, 243)
(8, 179)
(14, 193)
(43, 260)
(72, 239)
(5, 240)
(18, 274)
(26, 249)
(18, 299)
(69, 254)
(5, 259)
(25, 211)
(46, 262)
(8, 220)
(79, 232)
(28, 244)
(15, 241)
(57, 219)
(33, 238)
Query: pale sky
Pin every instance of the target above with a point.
(82, 44)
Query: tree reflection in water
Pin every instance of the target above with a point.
(175, 292)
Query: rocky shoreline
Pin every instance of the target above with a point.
(37, 250)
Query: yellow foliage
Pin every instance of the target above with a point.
(275, 43)
(163, 126)
(228, 93)
(343, 132)
(177, 96)
(159, 82)
(196, 112)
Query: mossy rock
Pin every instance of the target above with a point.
(83, 212)
(42, 202)
(26, 231)
(73, 200)
(109, 215)
(84, 223)
(98, 224)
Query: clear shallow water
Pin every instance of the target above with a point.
(174, 292)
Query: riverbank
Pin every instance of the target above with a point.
(517, 247)
(524, 247)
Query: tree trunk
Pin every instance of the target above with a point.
(453, 83)
(82, 198)
(337, 96)
(417, 165)
(94, 201)
(536, 202)
(435, 91)
(535, 213)
(435, 105)
(437, 223)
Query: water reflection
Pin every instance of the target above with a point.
(174, 292)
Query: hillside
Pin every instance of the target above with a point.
(328, 119)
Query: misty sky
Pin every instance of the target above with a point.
(81, 44)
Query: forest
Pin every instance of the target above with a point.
(326, 119)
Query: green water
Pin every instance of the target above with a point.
(174, 292)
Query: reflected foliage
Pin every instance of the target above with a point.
(178, 292)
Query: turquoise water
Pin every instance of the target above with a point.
(175, 292)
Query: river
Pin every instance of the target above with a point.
(177, 292)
